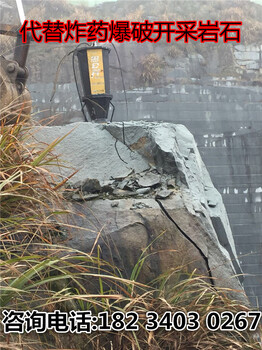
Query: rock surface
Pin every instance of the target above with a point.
(154, 191)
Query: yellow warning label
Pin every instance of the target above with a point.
(96, 71)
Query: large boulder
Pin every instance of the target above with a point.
(142, 188)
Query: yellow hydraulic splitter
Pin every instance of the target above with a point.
(93, 64)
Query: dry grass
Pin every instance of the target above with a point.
(28, 197)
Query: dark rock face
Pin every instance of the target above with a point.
(155, 192)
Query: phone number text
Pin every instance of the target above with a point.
(85, 322)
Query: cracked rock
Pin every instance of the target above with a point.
(163, 194)
(149, 180)
(194, 205)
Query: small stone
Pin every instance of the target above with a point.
(163, 194)
(125, 185)
(143, 190)
(77, 197)
(91, 186)
(122, 184)
(107, 189)
(171, 183)
(149, 180)
(114, 204)
(123, 193)
(90, 197)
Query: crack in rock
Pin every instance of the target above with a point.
(190, 240)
